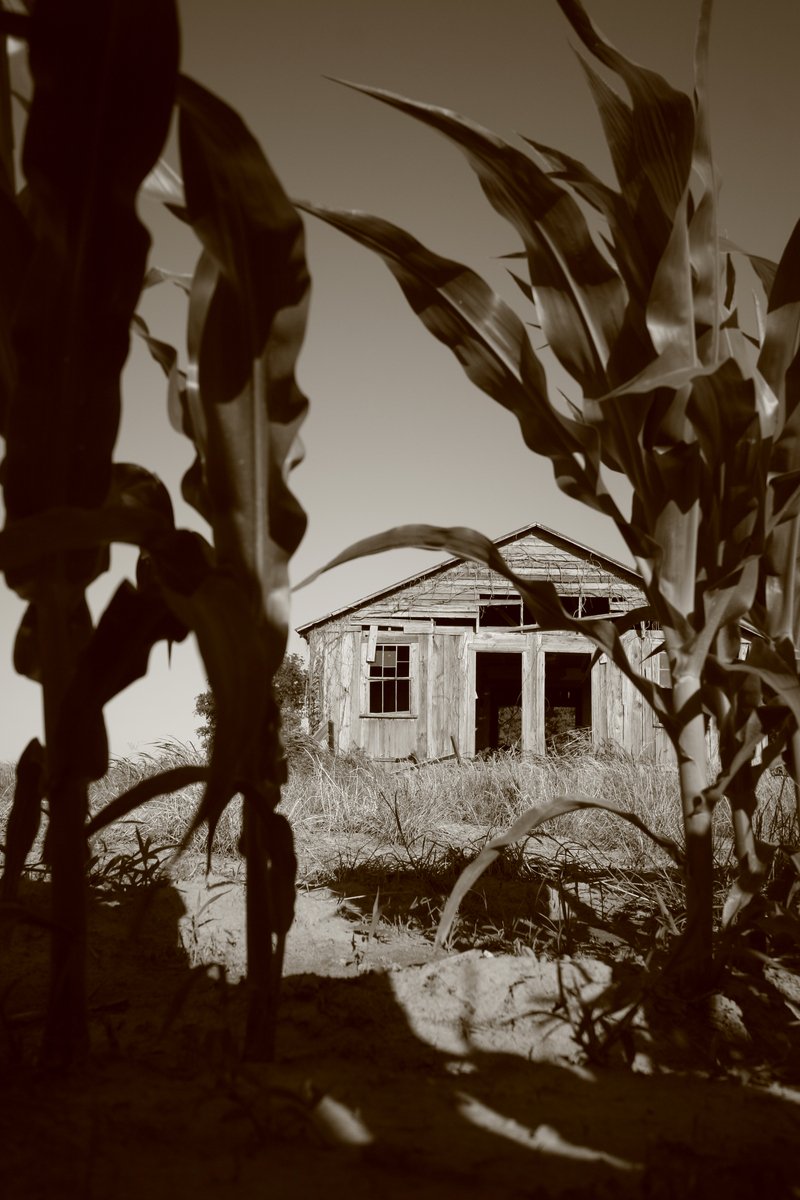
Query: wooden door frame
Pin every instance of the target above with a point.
(495, 646)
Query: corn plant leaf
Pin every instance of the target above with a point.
(522, 827)
(27, 649)
(662, 119)
(167, 358)
(162, 784)
(765, 269)
(117, 654)
(772, 669)
(782, 336)
(670, 306)
(747, 884)
(703, 230)
(541, 597)
(580, 299)
(165, 184)
(243, 411)
(24, 817)
(669, 370)
(73, 316)
(251, 326)
(726, 603)
(626, 237)
(492, 345)
(16, 249)
(457, 306)
(617, 121)
(64, 530)
(156, 275)
(237, 654)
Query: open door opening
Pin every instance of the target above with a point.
(498, 703)
(567, 698)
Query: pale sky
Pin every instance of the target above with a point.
(396, 433)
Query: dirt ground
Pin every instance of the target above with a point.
(398, 1073)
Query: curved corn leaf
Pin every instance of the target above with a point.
(27, 648)
(782, 337)
(243, 411)
(237, 653)
(580, 299)
(16, 249)
(492, 345)
(616, 118)
(165, 184)
(764, 268)
(745, 886)
(670, 305)
(457, 306)
(703, 231)
(24, 817)
(770, 668)
(522, 827)
(661, 128)
(156, 275)
(726, 603)
(8, 184)
(64, 530)
(167, 358)
(251, 324)
(73, 316)
(162, 784)
(116, 655)
(625, 245)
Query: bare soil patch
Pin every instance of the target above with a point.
(398, 1072)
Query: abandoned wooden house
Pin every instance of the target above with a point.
(450, 661)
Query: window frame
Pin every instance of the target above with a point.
(662, 677)
(391, 640)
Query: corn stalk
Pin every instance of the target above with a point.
(669, 392)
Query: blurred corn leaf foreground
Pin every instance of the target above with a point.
(698, 414)
(74, 266)
(90, 140)
(240, 405)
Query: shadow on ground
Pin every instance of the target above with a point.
(433, 1079)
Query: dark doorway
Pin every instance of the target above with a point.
(498, 703)
(567, 697)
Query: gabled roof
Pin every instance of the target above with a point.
(612, 565)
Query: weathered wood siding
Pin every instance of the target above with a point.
(446, 699)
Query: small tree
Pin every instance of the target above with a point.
(289, 685)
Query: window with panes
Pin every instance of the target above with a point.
(389, 682)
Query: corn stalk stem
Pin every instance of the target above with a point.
(264, 947)
(6, 118)
(742, 799)
(793, 757)
(695, 955)
(66, 1034)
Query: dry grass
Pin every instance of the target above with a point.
(404, 834)
(414, 810)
